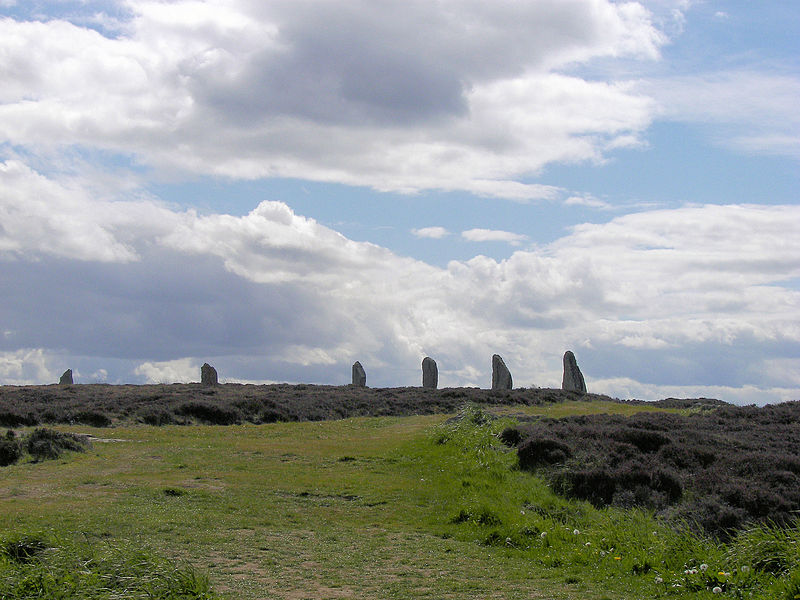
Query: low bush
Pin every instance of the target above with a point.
(10, 449)
(721, 468)
(43, 443)
(93, 418)
(511, 436)
(155, 416)
(10, 418)
(538, 452)
(210, 413)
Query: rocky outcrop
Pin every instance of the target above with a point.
(573, 378)
(66, 378)
(359, 375)
(501, 376)
(208, 375)
(430, 373)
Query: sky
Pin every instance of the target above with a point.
(283, 187)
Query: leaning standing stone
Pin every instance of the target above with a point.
(66, 378)
(359, 375)
(501, 376)
(430, 373)
(573, 378)
(208, 375)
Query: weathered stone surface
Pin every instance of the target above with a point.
(501, 376)
(66, 378)
(208, 375)
(573, 378)
(430, 373)
(359, 375)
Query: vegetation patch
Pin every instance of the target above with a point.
(31, 567)
(721, 469)
(44, 444)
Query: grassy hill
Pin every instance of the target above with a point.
(427, 505)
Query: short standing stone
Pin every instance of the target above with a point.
(501, 376)
(430, 373)
(573, 378)
(66, 378)
(359, 375)
(208, 375)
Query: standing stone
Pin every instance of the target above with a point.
(573, 378)
(501, 376)
(208, 375)
(430, 373)
(66, 378)
(359, 375)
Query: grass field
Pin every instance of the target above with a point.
(386, 507)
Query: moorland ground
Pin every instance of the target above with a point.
(422, 505)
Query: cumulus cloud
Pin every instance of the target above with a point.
(400, 96)
(179, 370)
(493, 235)
(435, 233)
(695, 296)
(26, 366)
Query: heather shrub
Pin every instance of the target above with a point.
(45, 443)
(10, 418)
(511, 436)
(596, 486)
(210, 413)
(92, 417)
(719, 469)
(10, 449)
(155, 416)
(538, 452)
(643, 439)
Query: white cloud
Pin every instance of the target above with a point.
(399, 96)
(435, 233)
(692, 296)
(27, 366)
(746, 109)
(493, 235)
(587, 200)
(180, 370)
(65, 218)
(629, 389)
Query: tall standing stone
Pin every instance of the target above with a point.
(66, 378)
(430, 373)
(208, 375)
(501, 376)
(573, 378)
(359, 375)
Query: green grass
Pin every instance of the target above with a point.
(411, 507)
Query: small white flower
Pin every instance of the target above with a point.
(716, 590)
(703, 567)
(544, 534)
(659, 580)
(576, 532)
(602, 553)
(522, 512)
(588, 544)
